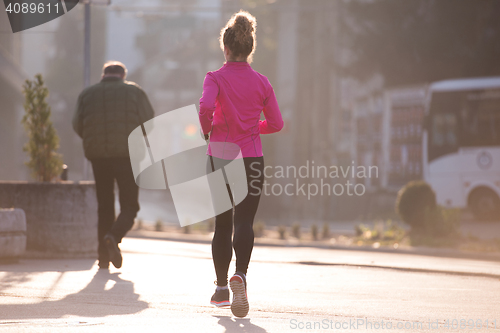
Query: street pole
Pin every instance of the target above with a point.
(86, 67)
(86, 47)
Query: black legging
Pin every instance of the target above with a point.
(244, 213)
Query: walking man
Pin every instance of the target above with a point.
(106, 114)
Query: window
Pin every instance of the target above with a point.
(480, 118)
(463, 119)
(444, 130)
(444, 125)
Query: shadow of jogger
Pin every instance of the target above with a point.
(92, 301)
(239, 325)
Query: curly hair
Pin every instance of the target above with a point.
(239, 35)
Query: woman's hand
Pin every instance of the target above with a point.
(204, 136)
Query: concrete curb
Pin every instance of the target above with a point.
(425, 251)
(407, 269)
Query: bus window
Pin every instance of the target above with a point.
(444, 129)
(481, 121)
(442, 126)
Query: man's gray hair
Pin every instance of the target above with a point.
(114, 68)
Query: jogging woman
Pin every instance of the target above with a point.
(233, 98)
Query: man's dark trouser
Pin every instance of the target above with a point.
(106, 170)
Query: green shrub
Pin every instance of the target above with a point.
(386, 233)
(282, 231)
(441, 222)
(359, 229)
(140, 224)
(258, 228)
(45, 163)
(211, 225)
(314, 232)
(159, 225)
(296, 230)
(413, 203)
(367, 233)
(441, 229)
(416, 205)
(392, 231)
(325, 234)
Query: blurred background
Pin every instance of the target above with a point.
(353, 80)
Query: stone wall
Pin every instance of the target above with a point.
(61, 217)
(12, 233)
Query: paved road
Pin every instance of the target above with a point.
(166, 286)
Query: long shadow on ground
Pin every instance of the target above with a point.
(92, 301)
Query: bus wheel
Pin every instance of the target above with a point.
(485, 204)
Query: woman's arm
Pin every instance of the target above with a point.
(207, 102)
(274, 121)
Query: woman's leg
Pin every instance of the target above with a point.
(222, 250)
(222, 247)
(244, 213)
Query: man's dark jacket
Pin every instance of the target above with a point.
(107, 113)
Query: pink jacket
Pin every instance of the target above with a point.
(233, 98)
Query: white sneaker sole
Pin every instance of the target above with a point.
(221, 304)
(239, 306)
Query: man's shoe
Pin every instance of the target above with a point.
(103, 264)
(220, 298)
(239, 305)
(115, 255)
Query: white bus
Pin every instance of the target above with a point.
(461, 144)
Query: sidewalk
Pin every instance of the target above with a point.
(164, 286)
